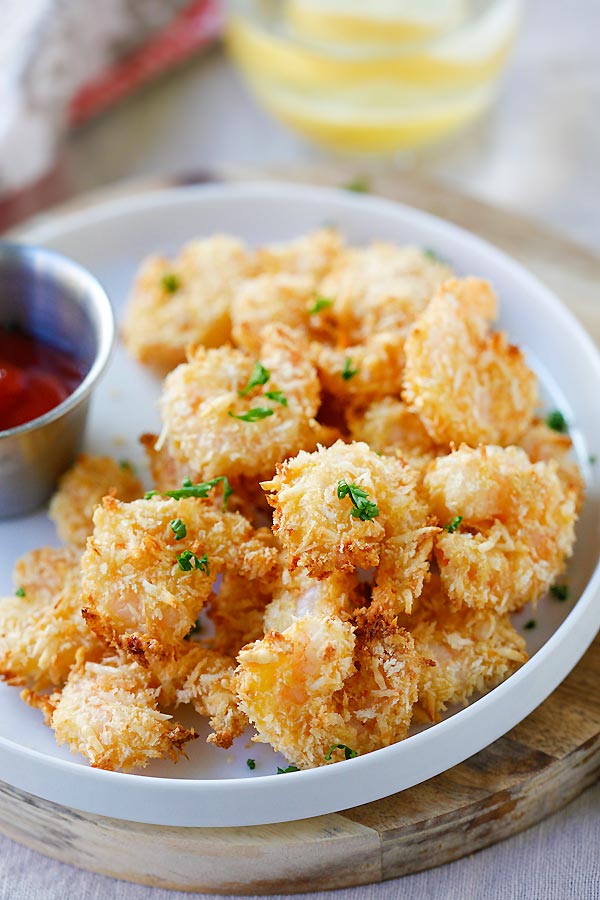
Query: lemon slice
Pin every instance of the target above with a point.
(372, 21)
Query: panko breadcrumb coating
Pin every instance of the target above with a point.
(320, 532)
(280, 297)
(237, 611)
(387, 426)
(473, 649)
(465, 383)
(543, 444)
(310, 254)
(42, 631)
(184, 301)
(324, 682)
(82, 488)
(136, 593)
(517, 527)
(108, 712)
(203, 400)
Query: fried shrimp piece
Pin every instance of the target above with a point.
(324, 682)
(280, 297)
(346, 507)
(297, 595)
(82, 488)
(216, 421)
(185, 301)
(467, 384)
(474, 650)
(166, 473)
(387, 426)
(542, 444)
(311, 255)
(108, 712)
(42, 630)
(237, 611)
(359, 373)
(144, 584)
(517, 527)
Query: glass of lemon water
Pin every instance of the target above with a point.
(373, 76)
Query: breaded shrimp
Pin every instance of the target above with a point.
(215, 423)
(297, 594)
(82, 488)
(281, 297)
(466, 384)
(42, 630)
(361, 372)
(310, 255)
(542, 444)
(474, 650)
(324, 530)
(517, 527)
(143, 585)
(324, 682)
(166, 473)
(387, 426)
(108, 712)
(185, 301)
(237, 611)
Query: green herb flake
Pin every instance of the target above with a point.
(560, 592)
(431, 254)
(178, 528)
(592, 459)
(196, 628)
(20, 592)
(188, 561)
(281, 771)
(201, 490)
(319, 305)
(530, 625)
(259, 376)
(358, 185)
(251, 764)
(277, 396)
(362, 508)
(150, 494)
(127, 466)
(557, 422)
(453, 525)
(171, 282)
(348, 372)
(349, 753)
(253, 415)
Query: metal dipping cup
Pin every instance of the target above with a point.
(58, 302)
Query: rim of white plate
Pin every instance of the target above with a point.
(493, 711)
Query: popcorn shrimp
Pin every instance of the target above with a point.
(82, 488)
(144, 582)
(345, 507)
(297, 594)
(510, 526)
(474, 650)
(542, 444)
(225, 412)
(324, 682)
(311, 255)
(466, 384)
(187, 300)
(107, 711)
(41, 628)
(387, 426)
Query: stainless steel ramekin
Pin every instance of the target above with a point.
(57, 301)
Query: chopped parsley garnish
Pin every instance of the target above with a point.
(171, 282)
(560, 591)
(254, 414)
(529, 625)
(592, 459)
(348, 372)
(20, 592)
(196, 628)
(281, 771)
(277, 396)
(202, 490)
(319, 305)
(557, 421)
(349, 753)
(358, 185)
(127, 466)
(433, 256)
(178, 528)
(362, 508)
(251, 764)
(259, 376)
(188, 561)
(453, 525)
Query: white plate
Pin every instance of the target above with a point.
(215, 787)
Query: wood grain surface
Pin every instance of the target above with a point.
(531, 772)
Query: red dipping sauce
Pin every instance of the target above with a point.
(34, 377)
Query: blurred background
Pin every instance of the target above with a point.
(495, 98)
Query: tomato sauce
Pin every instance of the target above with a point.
(34, 377)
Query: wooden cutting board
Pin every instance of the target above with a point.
(528, 774)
